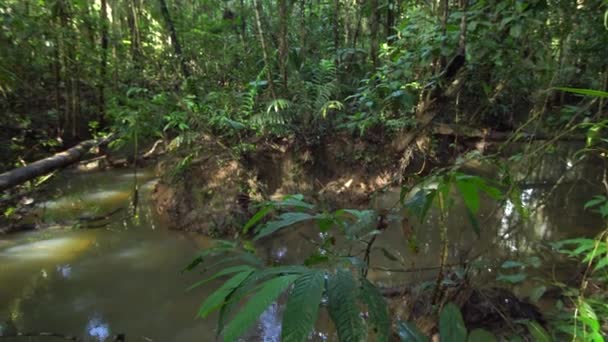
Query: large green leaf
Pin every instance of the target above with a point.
(377, 308)
(343, 307)
(216, 299)
(470, 194)
(451, 324)
(408, 332)
(285, 220)
(248, 286)
(259, 302)
(256, 218)
(303, 306)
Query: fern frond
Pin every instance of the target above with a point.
(278, 105)
(303, 306)
(377, 308)
(342, 295)
(329, 105)
(259, 302)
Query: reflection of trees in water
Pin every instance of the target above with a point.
(555, 189)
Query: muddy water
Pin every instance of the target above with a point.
(121, 278)
(125, 277)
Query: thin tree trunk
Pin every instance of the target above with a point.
(133, 20)
(176, 46)
(303, 29)
(390, 18)
(283, 43)
(243, 23)
(57, 73)
(445, 11)
(373, 51)
(258, 19)
(336, 26)
(103, 64)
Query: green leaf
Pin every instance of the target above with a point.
(421, 202)
(586, 92)
(343, 308)
(256, 218)
(377, 308)
(515, 31)
(512, 264)
(303, 306)
(296, 201)
(408, 332)
(481, 335)
(595, 201)
(470, 194)
(451, 324)
(474, 222)
(511, 278)
(259, 302)
(248, 286)
(537, 292)
(538, 332)
(216, 299)
(285, 220)
(229, 270)
(315, 259)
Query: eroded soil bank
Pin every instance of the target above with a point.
(216, 192)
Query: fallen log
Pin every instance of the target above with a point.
(41, 167)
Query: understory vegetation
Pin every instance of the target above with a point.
(411, 92)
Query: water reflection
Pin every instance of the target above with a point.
(270, 324)
(65, 271)
(98, 329)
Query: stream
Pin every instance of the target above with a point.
(125, 277)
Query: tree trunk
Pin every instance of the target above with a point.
(132, 20)
(373, 27)
(390, 18)
(103, 64)
(336, 26)
(44, 166)
(176, 46)
(258, 19)
(283, 42)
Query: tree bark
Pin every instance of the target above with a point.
(133, 21)
(336, 26)
(41, 167)
(258, 19)
(176, 46)
(373, 28)
(103, 63)
(283, 42)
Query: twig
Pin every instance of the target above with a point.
(42, 334)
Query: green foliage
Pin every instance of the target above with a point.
(451, 328)
(342, 294)
(378, 311)
(451, 325)
(302, 307)
(259, 302)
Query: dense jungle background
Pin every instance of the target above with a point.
(293, 170)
